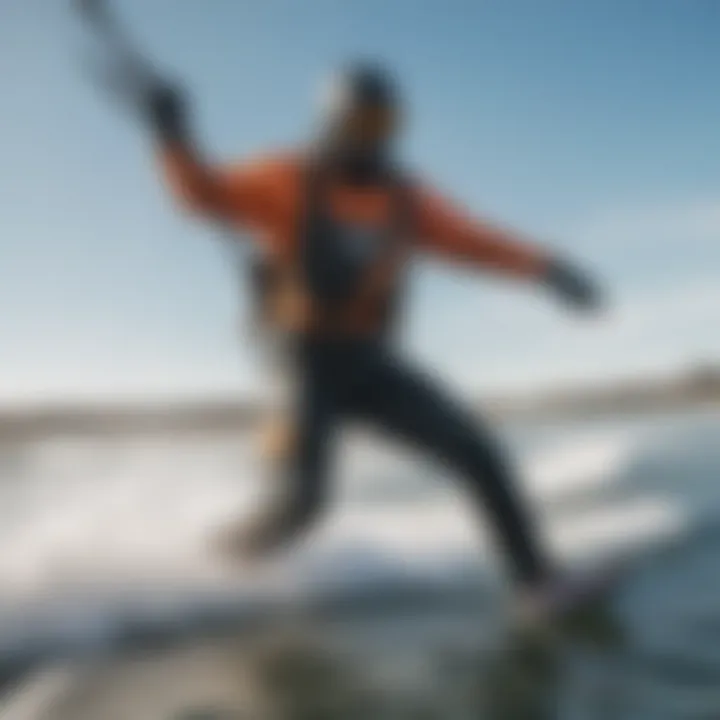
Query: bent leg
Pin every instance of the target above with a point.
(298, 450)
(410, 405)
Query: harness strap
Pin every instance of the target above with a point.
(384, 272)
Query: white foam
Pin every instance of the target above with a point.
(582, 461)
(136, 516)
(619, 528)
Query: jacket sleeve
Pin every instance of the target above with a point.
(242, 193)
(445, 230)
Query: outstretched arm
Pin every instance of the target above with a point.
(447, 231)
(242, 193)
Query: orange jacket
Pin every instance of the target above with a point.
(266, 197)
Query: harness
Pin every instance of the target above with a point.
(343, 271)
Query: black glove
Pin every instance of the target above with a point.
(572, 286)
(165, 108)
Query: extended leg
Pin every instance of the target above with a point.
(410, 405)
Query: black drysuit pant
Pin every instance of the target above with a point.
(367, 382)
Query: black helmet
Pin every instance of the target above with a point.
(360, 85)
(360, 112)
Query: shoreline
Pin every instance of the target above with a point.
(211, 417)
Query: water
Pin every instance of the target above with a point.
(107, 548)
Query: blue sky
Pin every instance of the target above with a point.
(592, 126)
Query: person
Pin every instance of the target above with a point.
(338, 220)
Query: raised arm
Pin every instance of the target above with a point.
(447, 231)
(242, 193)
